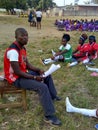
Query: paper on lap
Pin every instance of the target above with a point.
(52, 69)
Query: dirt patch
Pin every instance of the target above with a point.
(7, 30)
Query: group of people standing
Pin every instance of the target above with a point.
(84, 53)
(34, 18)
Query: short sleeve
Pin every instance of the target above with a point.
(60, 48)
(68, 47)
(12, 55)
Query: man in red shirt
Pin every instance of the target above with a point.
(22, 74)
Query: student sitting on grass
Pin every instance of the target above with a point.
(93, 51)
(64, 54)
(81, 52)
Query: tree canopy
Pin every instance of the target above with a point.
(24, 4)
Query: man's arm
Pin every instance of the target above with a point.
(31, 67)
(17, 71)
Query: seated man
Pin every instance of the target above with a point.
(19, 72)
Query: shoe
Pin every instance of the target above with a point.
(53, 120)
(91, 63)
(42, 61)
(57, 98)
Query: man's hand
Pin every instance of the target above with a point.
(41, 72)
(52, 57)
(39, 78)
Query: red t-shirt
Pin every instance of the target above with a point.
(82, 52)
(10, 76)
(93, 50)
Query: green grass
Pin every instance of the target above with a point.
(75, 82)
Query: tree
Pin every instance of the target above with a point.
(9, 5)
(42, 4)
(24, 4)
(33, 3)
(45, 4)
(21, 4)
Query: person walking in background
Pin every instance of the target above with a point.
(30, 18)
(38, 18)
(19, 72)
(93, 52)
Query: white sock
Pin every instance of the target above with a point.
(56, 58)
(69, 107)
(86, 112)
(85, 61)
(53, 52)
(49, 60)
(73, 63)
(92, 69)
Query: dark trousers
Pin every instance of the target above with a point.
(46, 91)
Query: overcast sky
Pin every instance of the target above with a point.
(67, 2)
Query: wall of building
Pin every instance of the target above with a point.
(76, 11)
(81, 13)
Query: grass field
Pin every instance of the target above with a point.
(75, 82)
